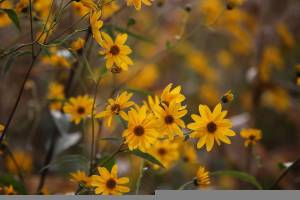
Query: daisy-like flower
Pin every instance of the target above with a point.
(152, 102)
(96, 24)
(169, 119)
(169, 94)
(227, 97)
(78, 44)
(116, 52)
(251, 136)
(22, 6)
(202, 179)
(210, 127)
(116, 107)
(81, 177)
(165, 152)
(138, 3)
(108, 183)
(79, 108)
(141, 132)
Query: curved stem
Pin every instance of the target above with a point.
(184, 185)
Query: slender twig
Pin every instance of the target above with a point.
(139, 180)
(184, 185)
(284, 173)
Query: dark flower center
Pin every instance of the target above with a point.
(169, 119)
(139, 130)
(115, 108)
(185, 159)
(111, 183)
(80, 110)
(211, 127)
(252, 137)
(114, 50)
(162, 151)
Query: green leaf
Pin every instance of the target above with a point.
(147, 157)
(11, 59)
(13, 17)
(7, 179)
(107, 162)
(239, 175)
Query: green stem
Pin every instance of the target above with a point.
(184, 185)
(141, 173)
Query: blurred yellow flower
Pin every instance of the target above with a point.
(277, 98)
(188, 153)
(145, 79)
(251, 136)
(79, 108)
(211, 10)
(80, 9)
(22, 6)
(56, 59)
(96, 24)
(169, 119)
(210, 127)
(169, 95)
(78, 44)
(1, 128)
(227, 97)
(116, 107)
(108, 183)
(116, 52)
(141, 132)
(55, 95)
(285, 35)
(4, 19)
(138, 3)
(89, 4)
(202, 178)
(166, 152)
(42, 7)
(22, 158)
(8, 190)
(81, 177)
(109, 8)
(231, 4)
(209, 93)
(224, 58)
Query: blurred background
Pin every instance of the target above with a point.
(206, 46)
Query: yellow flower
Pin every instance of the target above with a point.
(202, 179)
(224, 58)
(169, 95)
(166, 152)
(9, 190)
(251, 136)
(23, 159)
(89, 4)
(109, 8)
(56, 95)
(77, 44)
(141, 132)
(116, 52)
(57, 59)
(231, 4)
(108, 183)
(1, 128)
(42, 7)
(79, 108)
(227, 97)
(4, 19)
(189, 154)
(169, 119)
(152, 102)
(80, 9)
(44, 191)
(138, 3)
(96, 24)
(211, 10)
(210, 127)
(277, 98)
(285, 35)
(81, 177)
(22, 6)
(209, 93)
(116, 107)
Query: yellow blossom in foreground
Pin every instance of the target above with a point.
(96, 24)
(116, 52)
(4, 19)
(285, 35)
(79, 108)
(23, 159)
(251, 136)
(8, 190)
(141, 132)
(108, 183)
(116, 107)
(202, 179)
(81, 177)
(168, 95)
(166, 152)
(210, 127)
(138, 3)
(78, 44)
(169, 119)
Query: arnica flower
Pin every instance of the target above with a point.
(141, 132)
(166, 152)
(8, 190)
(23, 159)
(116, 107)
(80, 177)
(227, 97)
(202, 179)
(138, 3)
(96, 24)
(169, 119)
(169, 95)
(116, 52)
(151, 102)
(210, 127)
(79, 108)
(251, 136)
(108, 183)
(78, 44)
(22, 6)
